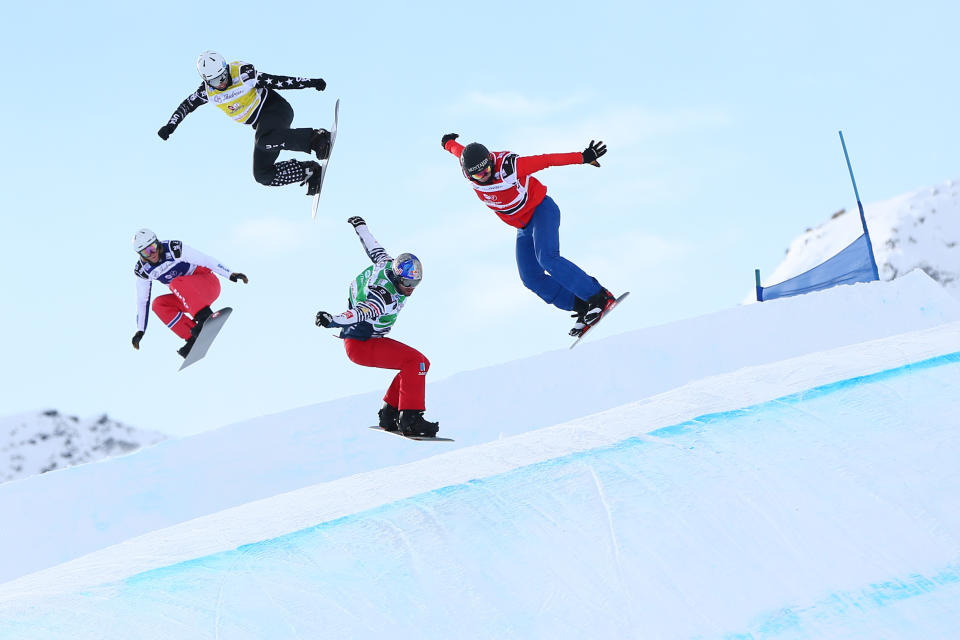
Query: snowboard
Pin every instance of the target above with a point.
(325, 162)
(590, 327)
(208, 332)
(397, 433)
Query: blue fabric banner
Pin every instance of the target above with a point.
(853, 264)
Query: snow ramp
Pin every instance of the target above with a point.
(64, 515)
(826, 512)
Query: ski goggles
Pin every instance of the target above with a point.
(220, 79)
(483, 175)
(409, 283)
(150, 251)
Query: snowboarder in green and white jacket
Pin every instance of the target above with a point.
(377, 295)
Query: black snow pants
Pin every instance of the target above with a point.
(273, 135)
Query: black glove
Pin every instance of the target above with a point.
(236, 275)
(594, 151)
(136, 340)
(318, 84)
(166, 130)
(356, 221)
(447, 138)
(324, 319)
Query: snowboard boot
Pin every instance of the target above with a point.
(312, 178)
(389, 415)
(597, 305)
(199, 318)
(184, 351)
(580, 307)
(320, 143)
(412, 424)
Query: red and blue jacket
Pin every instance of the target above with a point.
(512, 192)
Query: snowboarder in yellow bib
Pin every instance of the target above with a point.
(250, 97)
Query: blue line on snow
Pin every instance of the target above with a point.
(786, 619)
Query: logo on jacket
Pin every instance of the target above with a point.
(228, 96)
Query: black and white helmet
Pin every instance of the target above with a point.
(213, 68)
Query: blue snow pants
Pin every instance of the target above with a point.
(542, 269)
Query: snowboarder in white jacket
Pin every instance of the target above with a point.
(193, 286)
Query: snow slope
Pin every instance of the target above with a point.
(811, 497)
(66, 514)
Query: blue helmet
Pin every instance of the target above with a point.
(407, 270)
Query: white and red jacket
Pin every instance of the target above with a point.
(178, 260)
(513, 193)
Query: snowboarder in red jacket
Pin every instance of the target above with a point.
(503, 180)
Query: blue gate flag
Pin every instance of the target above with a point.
(853, 264)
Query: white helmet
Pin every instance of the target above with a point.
(211, 65)
(143, 239)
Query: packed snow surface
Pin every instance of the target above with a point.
(792, 473)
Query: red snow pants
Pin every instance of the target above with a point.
(408, 386)
(188, 294)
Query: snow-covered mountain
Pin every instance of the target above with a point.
(39, 442)
(917, 230)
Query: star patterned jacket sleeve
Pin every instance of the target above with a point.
(271, 81)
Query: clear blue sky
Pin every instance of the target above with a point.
(721, 123)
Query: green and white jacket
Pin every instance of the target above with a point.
(374, 300)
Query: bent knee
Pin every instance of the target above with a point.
(161, 302)
(421, 365)
(532, 279)
(264, 177)
(549, 261)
